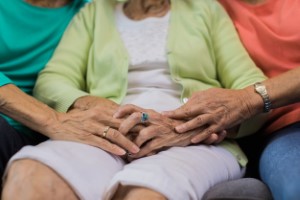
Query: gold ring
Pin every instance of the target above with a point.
(106, 129)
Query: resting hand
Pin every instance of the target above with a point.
(159, 132)
(215, 109)
(87, 122)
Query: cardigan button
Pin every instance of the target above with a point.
(185, 100)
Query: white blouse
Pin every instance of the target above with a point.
(149, 81)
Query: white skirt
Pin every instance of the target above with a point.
(178, 173)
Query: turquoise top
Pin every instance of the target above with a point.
(203, 51)
(28, 37)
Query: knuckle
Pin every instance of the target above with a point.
(113, 134)
(150, 111)
(199, 119)
(209, 131)
(136, 115)
(144, 134)
(186, 112)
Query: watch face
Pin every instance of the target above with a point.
(260, 89)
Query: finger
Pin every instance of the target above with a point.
(196, 122)
(130, 122)
(187, 111)
(151, 153)
(127, 110)
(146, 134)
(105, 145)
(131, 157)
(147, 149)
(119, 139)
(137, 128)
(222, 136)
(211, 139)
(204, 134)
(179, 113)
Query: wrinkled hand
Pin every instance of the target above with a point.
(86, 122)
(159, 132)
(215, 110)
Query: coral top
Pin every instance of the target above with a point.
(271, 33)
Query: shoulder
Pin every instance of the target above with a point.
(202, 4)
(204, 8)
(208, 10)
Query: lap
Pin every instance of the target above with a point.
(85, 168)
(280, 161)
(282, 152)
(184, 171)
(180, 172)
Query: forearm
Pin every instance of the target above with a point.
(79, 126)
(282, 90)
(26, 110)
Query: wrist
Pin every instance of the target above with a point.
(253, 102)
(81, 103)
(261, 89)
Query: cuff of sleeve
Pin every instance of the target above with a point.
(65, 101)
(4, 80)
(61, 103)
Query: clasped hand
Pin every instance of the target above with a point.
(90, 121)
(119, 129)
(158, 132)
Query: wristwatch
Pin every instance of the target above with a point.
(262, 91)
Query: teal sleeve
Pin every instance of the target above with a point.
(4, 80)
(63, 79)
(235, 68)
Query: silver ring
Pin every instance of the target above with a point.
(144, 117)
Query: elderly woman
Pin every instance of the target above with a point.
(270, 32)
(29, 32)
(154, 55)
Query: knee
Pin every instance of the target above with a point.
(18, 171)
(22, 179)
(29, 179)
(136, 193)
(18, 175)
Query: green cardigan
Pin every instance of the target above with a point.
(203, 51)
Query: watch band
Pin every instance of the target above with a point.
(262, 91)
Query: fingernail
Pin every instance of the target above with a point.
(194, 140)
(179, 129)
(135, 149)
(122, 152)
